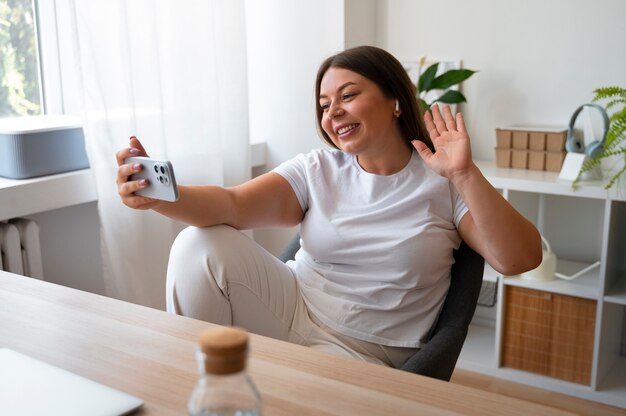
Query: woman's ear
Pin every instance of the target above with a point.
(397, 111)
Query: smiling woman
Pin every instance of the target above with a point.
(353, 120)
(19, 64)
(380, 216)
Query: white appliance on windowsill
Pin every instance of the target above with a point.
(41, 145)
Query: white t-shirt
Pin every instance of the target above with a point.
(376, 250)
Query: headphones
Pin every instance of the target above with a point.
(594, 148)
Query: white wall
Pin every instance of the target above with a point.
(287, 40)
(538, 60)
(360, 22)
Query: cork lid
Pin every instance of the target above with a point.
(224, 349)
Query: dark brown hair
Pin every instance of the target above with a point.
(380, 67)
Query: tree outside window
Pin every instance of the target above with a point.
(19, 66)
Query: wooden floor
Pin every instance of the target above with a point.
(522, 391)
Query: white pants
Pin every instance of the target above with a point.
(220, 275)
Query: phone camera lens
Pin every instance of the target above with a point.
(161, 179)
(162, 169)
(156, 168)
(165, 178)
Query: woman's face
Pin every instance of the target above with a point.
(356, 116)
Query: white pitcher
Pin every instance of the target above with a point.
(547, 269)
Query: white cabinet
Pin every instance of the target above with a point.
(583, 226)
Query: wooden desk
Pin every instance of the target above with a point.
(150, 354)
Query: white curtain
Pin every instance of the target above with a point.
(173, 73)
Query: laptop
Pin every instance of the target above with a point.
(32, 387)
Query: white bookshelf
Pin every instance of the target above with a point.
(583, 226)
(586, 286)
(617, 293)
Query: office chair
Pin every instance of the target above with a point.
(438, 357)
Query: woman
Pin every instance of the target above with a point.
(379, 215)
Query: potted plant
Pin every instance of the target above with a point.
(429, 81)
(615, 142)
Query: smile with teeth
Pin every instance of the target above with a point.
(346, 129)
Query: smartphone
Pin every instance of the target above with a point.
(160, 176)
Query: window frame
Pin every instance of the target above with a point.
(58, 74)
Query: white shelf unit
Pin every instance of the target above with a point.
(583, 226)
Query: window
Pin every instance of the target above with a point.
(20, 93)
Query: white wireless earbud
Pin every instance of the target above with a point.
(397, 106)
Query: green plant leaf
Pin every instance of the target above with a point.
(608, 92)
(424, 105)
(450, 78)
(616, 131)
(618, 115)
(426, 79)
(615, 178)
(451, 97)
(615, 102)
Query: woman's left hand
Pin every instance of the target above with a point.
(453, 155)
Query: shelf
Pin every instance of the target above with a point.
(612, 387)
(22, 197)
(479, 348)
(539, 181)
(585, 286)
(617, 293)
(490, 275)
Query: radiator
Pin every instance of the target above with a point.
(20, 251)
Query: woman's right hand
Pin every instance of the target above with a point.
(126, 188)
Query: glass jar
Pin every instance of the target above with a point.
(224, 387)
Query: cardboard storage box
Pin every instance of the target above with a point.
(519, 159)
(537, 148)
(554, 161)
(537, 140)
(520, 140)
(548, 334)
(41, 145)
(503, 157)
(503, 138)
(536, 160)
(555, 142)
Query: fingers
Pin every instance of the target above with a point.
(135, 143)
(449, 118)
(460, 122)
(127, 191)
(125, 188)
(438, 120)
(423, 150)
(430, 126)
(135, 149)
(445, 121)
(128, 188)
(126, 152)
(124, 171)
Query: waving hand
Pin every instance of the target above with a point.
(453, 154)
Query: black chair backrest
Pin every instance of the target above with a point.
(438, 357)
